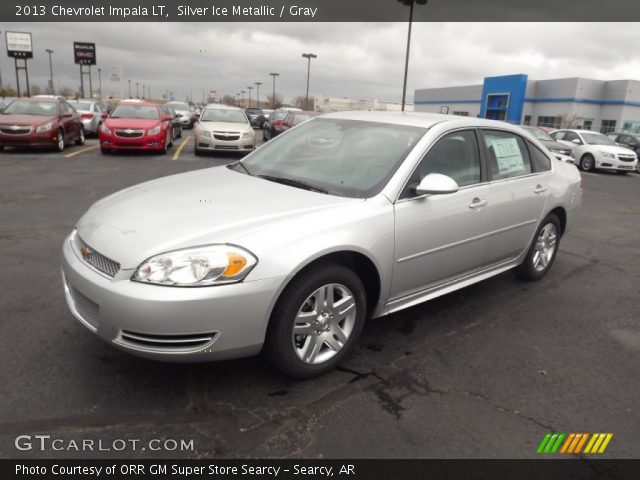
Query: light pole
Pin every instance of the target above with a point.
(100, 82)
(49, 51)
(408, 3)
(129, 88)
(144, 89)
(273, 98)
(242, 98)
(249, 88)
(258, 93)
(308, 56)
(137, 90)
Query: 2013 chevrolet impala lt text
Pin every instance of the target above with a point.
(346, 217)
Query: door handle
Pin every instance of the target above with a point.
(539, 189)
(477, 203)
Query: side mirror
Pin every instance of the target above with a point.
(437, 184)
(576, 141)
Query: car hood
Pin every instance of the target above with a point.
(215, 205)
(553, 145)
(224, 126)
(615, 149)
(131, 123)
(25, 119)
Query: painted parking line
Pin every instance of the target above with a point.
(78, 152)
(179, 150)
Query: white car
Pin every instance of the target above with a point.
(594, 150)
(224, 128)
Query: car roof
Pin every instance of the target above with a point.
(220, 106)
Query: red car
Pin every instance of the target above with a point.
(136, 126)
(40, 123)
(295, 117)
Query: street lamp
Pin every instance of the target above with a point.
(100, 82)
(137, 90)
(249, 88)
(129, 88)
(242, 97)
(408, 3)
(273, 98)
(49, 51)
(144, 89)
(308, 56)
(258, 93)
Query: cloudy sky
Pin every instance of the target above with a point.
(360, 60)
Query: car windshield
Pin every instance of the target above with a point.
(24, 107)
(539, 134)
(343, 157)
(595, 138)
(136, 111)
(82, 105)
(223, 115)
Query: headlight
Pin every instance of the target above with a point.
(44, 127)
(105, 129)
(249, 134)
(607, 154)
(154, 130)
(197, 267)
(204, 133)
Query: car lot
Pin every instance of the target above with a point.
(483, 372)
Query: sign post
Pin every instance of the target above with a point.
(84, 54)
(20, 47)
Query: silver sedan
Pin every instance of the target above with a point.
(92, 114)
(346, 217)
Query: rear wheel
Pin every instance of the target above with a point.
(60, 141)
(80, 140)
(542, 252)
(316, 321)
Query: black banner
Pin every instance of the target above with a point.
(317, 11)
(318, 469)
(84, 53)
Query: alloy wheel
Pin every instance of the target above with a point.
(545, 247)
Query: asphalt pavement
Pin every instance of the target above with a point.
(484, 372)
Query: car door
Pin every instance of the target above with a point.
(518, 193)
(68, 122)
(441, 237)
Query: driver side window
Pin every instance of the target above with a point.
(455, 155)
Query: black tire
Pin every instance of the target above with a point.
(197, 152)
(171, 138)
(106, 151)
(80, 140)
(587, 162)
(528, 270)
(179, 135)
(279, 344)
(61, 142)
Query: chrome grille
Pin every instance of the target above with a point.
(96, 259)
(88, 310)
(627, 158)
(167, 343)
(129, 133)
(226, 147)
(15, 129)
(228, 136)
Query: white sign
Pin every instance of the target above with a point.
(19, 42)
(116, 74)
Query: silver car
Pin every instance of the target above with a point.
(183, 110)
(345, 217)
(92, 114)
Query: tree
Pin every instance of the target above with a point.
(65, 92)
(8, 92)
(229, 100)
(276, 102)
(35, 90)
(301, 102)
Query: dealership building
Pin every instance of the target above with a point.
(605, 106)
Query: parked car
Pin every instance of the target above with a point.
(223, 127)
(594, 150)
(92, 113)
(136, 126)
(176, 122)
(630, 141)
(273, 124)
(40, 123)
(348, 216)
(295, 117)
(255, 116)
(183, 109)
(562, 152)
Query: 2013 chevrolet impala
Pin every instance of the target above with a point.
(347, 216)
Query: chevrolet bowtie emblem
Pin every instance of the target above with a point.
(128, 131)
(15, 127)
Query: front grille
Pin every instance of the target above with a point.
(96, 259)
(167, 343)
(21, 130)
(88, 310)
(626, 158)
(230, 137)
(129, 133)
(226, 147)
(129, 145)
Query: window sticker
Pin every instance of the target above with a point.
(508, 155)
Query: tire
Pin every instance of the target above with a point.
(543, 250)
(171, 138)
(197, 152)
(587, 162)
(60, 144)
(328, 336)
(81, 139)
(106, 151)
(179, 131)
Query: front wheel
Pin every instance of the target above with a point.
(587, 163)
(60, 141)
(542, 252)
(80, 140)
(316, 321)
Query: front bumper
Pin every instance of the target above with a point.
(239, 145)
(146, 142)
(615, 164)
(33, 140)
(169, 323)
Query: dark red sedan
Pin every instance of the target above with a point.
(136, 126)
(40, 122)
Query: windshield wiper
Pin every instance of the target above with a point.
(295, 183)
(233, 165)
